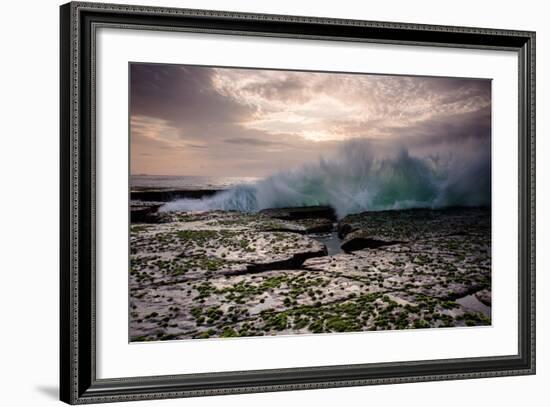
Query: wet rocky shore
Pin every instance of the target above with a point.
(299, 270)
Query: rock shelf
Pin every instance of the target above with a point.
(230, 274)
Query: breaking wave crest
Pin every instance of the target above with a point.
(365, 177)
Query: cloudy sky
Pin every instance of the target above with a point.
(191, 120)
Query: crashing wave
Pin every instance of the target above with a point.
(364, 177)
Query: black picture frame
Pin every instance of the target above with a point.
(78, 382)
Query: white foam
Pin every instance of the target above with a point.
(363, 176)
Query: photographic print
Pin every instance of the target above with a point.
(277, 202)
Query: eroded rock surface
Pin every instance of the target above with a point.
(364, 239)
(305, 212)
(223, 274)
(146, 212)
(484, 296)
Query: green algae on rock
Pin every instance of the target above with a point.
(231, 274)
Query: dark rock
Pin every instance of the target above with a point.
(344, 229)
(166, 195)
(144, 212)
(293, 262)
(303, 212)
(361, 239)
(418, 224)
(321, 225)
(484, 296)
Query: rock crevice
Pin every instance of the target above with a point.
(221, 274)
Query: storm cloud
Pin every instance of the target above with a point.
(193, 120)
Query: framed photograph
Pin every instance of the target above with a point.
(255, 203)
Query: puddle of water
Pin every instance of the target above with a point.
(471, 303)
(330, 240)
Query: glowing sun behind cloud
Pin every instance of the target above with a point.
(192, 120)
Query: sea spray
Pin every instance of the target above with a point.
(363, 176)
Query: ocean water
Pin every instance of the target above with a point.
(183, 182)
(360, 177)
